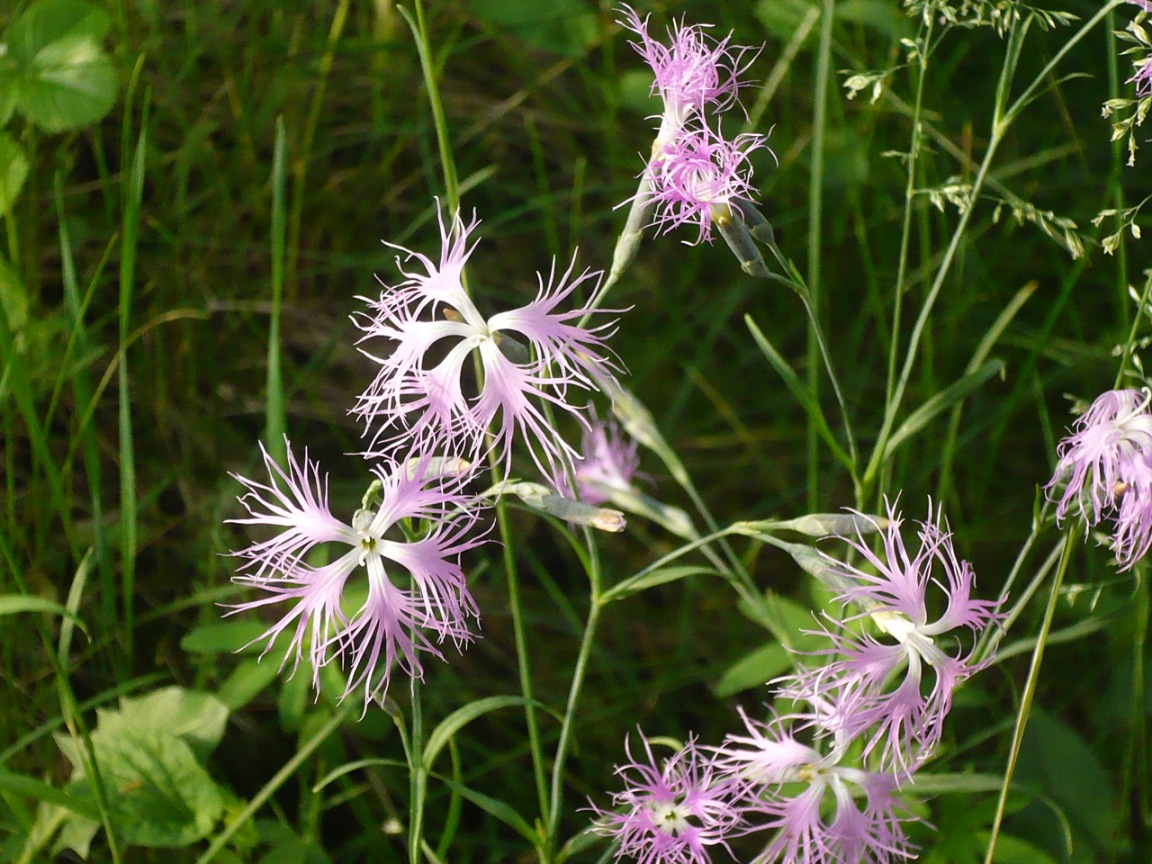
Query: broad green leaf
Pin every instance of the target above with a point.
(12, 604)
(941, 401)
(247, 681)
(157, 793)
(13, 171)
(58, 72)
(460, 718)
(638, 583)
(754, 670)
(223, 637)
(195, 717)
(785, 619)
(1056, 759)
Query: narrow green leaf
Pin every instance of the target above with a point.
(642, 581)
(800, 391)
(248, 680)
(495, 807)
(348, 768)
(941, 401)
(460, 718)
(13, 170)
(30, 787)
(13, 604)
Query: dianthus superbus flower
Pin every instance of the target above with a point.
(698, 174)
(1105, 469)
(896, 689)
(416, 594)
(529, 355)
(671, 811)
(823, 812)
(694, 72)
(609, 462)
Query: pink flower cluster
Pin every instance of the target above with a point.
(694, 173)
(1105, 472)
(824, 781)
(377, 591)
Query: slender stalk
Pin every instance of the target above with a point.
(575, 689)
(1130, 343)
(525, 669)
(419, 29)
(1030, 691)
(906, 224)
(417, 777)
(815, 235)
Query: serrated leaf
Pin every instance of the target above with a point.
(13, 170)
(60, 77)
(754, 670)
(195, 717)
(157, 793)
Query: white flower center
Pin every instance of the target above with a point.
(671, 818)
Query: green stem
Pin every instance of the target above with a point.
(1030, 690)
(906, 225)
(815, 232)
(574, 691)
(417, 777)
(419, 29)
(522, 664)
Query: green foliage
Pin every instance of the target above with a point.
(55, 71)
(150, 755)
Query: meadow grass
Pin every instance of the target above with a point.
(177, 282)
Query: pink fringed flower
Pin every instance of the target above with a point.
(698, 175)
(693, 73)
(823, 812)
(1105, 469)
(669, 813)
(416, 593)
(896, 688)
(610, 462)
(1143, 76)
(529, 356)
